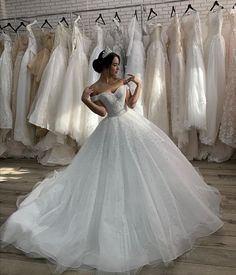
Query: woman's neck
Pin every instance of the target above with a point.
(105, 78)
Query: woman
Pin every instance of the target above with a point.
(129, 197)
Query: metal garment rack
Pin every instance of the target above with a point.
(141, 6)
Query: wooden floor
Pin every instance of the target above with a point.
(213, 255)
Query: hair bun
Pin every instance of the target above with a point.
(97, 65)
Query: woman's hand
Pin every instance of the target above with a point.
(133, 78)
(86, 93)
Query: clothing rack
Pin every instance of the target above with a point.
(24, 18)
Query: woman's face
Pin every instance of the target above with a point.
(114, 68)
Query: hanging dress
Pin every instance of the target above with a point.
(228, 122)
(177, 89)
(38, 65)
(92, 75)
(5, 91)
(19, 49)
(119, 46)
(40, 60)
(136, 59)
(44, 108)
(155, 100)
(24, 131)
(215, 77)
(195, 76)
(69, 115)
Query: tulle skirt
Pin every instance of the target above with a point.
(129, 198)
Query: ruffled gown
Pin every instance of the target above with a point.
(69, 114)
(129, 198)
(44, 107)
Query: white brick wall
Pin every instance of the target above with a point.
(17, 8)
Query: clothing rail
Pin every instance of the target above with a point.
(92, 10)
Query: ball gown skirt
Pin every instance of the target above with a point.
(129, 198)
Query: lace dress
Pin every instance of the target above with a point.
(92, 75)
(89, 215)
(178, 95)
(136, 59)
(119, 45)
(228, 123)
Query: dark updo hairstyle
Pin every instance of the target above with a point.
(103, 63)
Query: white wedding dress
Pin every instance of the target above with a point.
(6, 84)
(155, 98)
(24, 131)
(195, 75)
(227, 132)
(177, 86)
(5, 92)
(215, 77)
(136, 59)
(69, 118)
(129, 198)
(44, 107)
(92, 75)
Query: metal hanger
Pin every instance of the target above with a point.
(216, 4)
(173, 11)
(100, 18)
(152, 14)
(136, 14)
(22, 24)
(46, 23)
(189, 8)
(64, 20)
(8, 25)
(117, 17)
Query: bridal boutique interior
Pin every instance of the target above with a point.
(184, 53)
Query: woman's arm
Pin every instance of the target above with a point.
(98, 109)
(131, 100)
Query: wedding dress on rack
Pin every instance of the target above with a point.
(195, 75)
(5, 91)
(44, 107)
(69, 115)
(136, 59)
(24, 131)
(177, 86)
(215, 77)
(228, 122)
(155, 100)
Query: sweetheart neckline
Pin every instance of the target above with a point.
(109, 92)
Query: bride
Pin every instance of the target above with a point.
(129, 198)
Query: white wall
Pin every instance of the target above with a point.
(17, 8)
